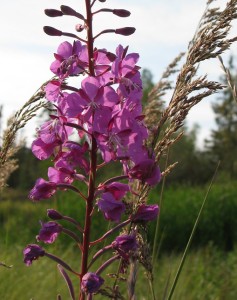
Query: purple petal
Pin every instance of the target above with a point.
(65, 50)
(91, 86)
(41, 150)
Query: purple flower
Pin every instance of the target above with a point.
(73, 157)
(42, 150)
(118, 139)
(126, 72)
(146, 171)
(111, 208)
(53, 131)
(53, 90)
(62, 175)
(49, 232)
(103, 60)
(70, 59)
(117, 189)
(90, 99)
(91, 282)
(124, 244)
(32, 252)
(42, 190)
(51, 134)
(146, 213)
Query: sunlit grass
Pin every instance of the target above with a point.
(207, 274)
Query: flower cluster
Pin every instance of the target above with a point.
(100, 114)
(106, 106)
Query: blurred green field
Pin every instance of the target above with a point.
(210, 271)
(208, 274)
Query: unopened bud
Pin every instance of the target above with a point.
(79, 27)
(53, 214)
(68, 11)
(125, 30)
(53, 13)
(52, 31)
(102, 0)
(121, 13)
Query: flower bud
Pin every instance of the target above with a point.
(102, 0)
(79, 27)
(53, 13)
(68, 11)
(54, 215)
(125, 31)
(91, 282)
(121, 13)
(52, 31)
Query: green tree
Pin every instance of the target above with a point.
(223, 142)
(194, 166)
(30, 169)
(147, 83)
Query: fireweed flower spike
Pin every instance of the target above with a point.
(97, 119)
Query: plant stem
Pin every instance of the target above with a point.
(109, 232)
(93, 158)
(89, 209)
(90, 38)
(107, 263)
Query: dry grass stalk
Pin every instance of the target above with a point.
(132, 279)
(9, 166)
(7, 163)
(210, 40)
(155, 105)
(229, 79)
(169, 169)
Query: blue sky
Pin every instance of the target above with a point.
(163, 29)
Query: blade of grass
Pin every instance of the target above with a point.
(191, 237)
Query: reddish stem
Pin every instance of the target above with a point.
(90, 38)
(108, 233)
(93, 157)
(89, 209)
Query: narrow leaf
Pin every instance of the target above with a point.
(68, 281)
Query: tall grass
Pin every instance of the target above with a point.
(218, 224)
(208, 274)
